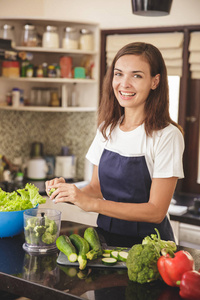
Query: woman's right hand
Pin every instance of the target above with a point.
(50, 183)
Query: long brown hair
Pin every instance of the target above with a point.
(157, 104)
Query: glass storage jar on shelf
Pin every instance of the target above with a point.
(86, 40)
(50, 38)
(70, 38)
(29, 36)
(8, 33)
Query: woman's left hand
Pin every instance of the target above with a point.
(67, 192)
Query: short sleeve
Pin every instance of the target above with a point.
(168, 161)
(96, 149)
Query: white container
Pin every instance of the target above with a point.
(65, 166)
(70, 39)
(37, 169)
(50, 38)
(15, 97)
(86, 40)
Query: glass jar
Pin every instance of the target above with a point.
(50, 38)
(29, 36)
(86, 40)
(70, 38)
(51, 71)
(8, 33)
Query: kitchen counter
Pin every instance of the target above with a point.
(189, 217)
(40, 277)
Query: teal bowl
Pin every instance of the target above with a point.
(12, 222)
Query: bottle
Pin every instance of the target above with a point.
(39, 72)
(29, 71)
(45, 69)
(15, 97)
(74, 96)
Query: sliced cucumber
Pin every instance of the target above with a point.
(106, 254)
(107, 250)
(114, 254)
(109, 261)
(123, 255)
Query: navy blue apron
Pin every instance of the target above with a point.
(127, 179)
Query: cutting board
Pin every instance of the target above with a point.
(62, 260)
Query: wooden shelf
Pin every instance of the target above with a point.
(50, 80)
(49, 109)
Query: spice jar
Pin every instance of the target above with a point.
(70, 38)
(51, 71)
(86, 40)
(50, 38)
(7, 33)
(29, 36)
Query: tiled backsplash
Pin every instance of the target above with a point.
(19, 129)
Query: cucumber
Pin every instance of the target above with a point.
(109, 261)
(91, 236)
(82, 248)
(64, 244)
(107, 250)
(114, 254)
(106, 254)
(123, 255)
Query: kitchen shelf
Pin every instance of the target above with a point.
(87, 89)
(50, 80)
(55, 50)
(49, 109)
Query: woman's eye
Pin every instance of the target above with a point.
(117, 74)
(137, 76)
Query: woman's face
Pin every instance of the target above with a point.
(132, 81)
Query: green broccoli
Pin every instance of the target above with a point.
(39, 230)
(51, 226)
(142, 258)
(31, 223)
(48, 238)
(51, 191)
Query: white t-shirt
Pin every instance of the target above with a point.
(163, 150)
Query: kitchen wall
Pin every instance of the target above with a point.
(76, 130)
(19, 129)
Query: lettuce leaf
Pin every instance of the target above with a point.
(21, 199)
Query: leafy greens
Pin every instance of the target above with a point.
(21, 199)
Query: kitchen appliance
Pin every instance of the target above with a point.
(37, 169)
(41, 229)
(65, 166)
(36, 149)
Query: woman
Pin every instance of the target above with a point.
(137, 151)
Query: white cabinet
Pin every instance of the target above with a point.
(88, 89)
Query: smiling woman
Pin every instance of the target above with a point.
(136, 153)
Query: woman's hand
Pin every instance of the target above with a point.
(67, 192)
(51, 183)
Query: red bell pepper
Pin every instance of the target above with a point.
(190, 285)
(171, 269)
